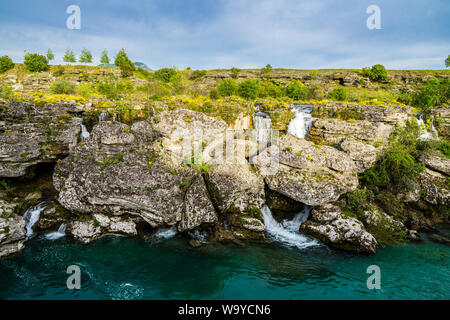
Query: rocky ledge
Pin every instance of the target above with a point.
(170, 171)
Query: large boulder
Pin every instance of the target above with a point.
(31, 134)
(307, 173)
(329, 225)
(89, 228)
(333, 131)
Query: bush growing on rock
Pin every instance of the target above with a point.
(398, 167)
(5, 91)
(338, 94)
(297, 91)
(376, 73)
(114, 89)
(227, 88)
(197, 75)
(62, 87)
(435, 92)
(214, 94)
(235, 72)
(6, 64)
(270, 89)
(249, 89)
(36, 62)
(165, 75)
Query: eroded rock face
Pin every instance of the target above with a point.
(333, 131)
(146, 171)
(91, 228)
(437, 162)
(310, 174)
(435, 187)
(12, 230)
(329, 225)
(235, 187)
(30, 134)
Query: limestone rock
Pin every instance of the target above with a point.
(309, 174)
(12, 230)
(31, 134)
(329, 225)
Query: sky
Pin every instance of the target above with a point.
(206, 34)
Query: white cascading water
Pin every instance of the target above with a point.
(263, 126)
(301, 125)
(58, 234)
(287, 232)
(102, 116)
(166, 233)
(31, 216)
(84, 133)
(424, 134)
(198, 235)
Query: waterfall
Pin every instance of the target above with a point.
(263, 126)
(166, 233)
(198, 235)
(102, 116)
(302, 122)
(84, 133)
(31, 216)
(287, 232)
(424, 134)
(58, 234)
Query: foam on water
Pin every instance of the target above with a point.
(31, 216)
(84, 133)
(166, 233)
(301, 125)
(424, 133)
(287, 231)
(58, 234)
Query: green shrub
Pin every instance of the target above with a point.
(376, 73)
(59, 71)
(62, 87)
(338, 94)
(235, 72)
(227, 88)
(359, 200)
(113, 89)
(297, 91)
(85, 89)
(165, 75)
(36, 62)
(265, 72)
(249, 89)
(158, 89)
(197, 75)
(6, 64)
(143, 74)
(398, 167)
(5, 90)
(214, 94)
(435, 92)
(270, 89)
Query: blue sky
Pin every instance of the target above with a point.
(207, 34)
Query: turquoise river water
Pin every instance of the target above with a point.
(131, 268)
